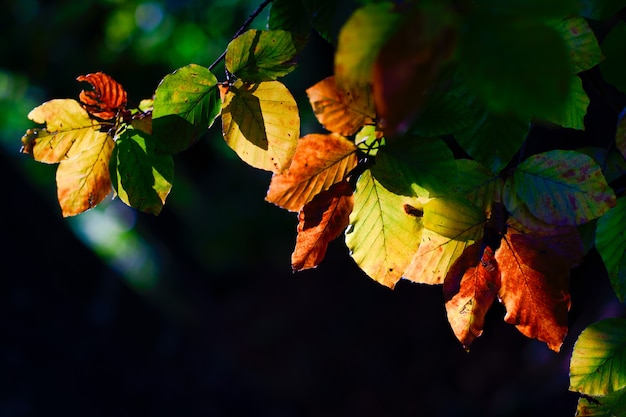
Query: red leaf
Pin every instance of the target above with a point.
(534, 269)
(469, 295)
(321, 221)
(107, 97)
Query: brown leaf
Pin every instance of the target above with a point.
(469, 295)
(339, 111)
(321, 221)
(534, 270)
(107, 97)
(319, 162)
(404, 69)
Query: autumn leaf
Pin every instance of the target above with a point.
(382, 236)
(321, 220)
(107, 98)
(534, 271)
(261, 123)
(341, 111)
(75, 141)
(318, 162)
(407, 64)
(141, 177)
(469, 295)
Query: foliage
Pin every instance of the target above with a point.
(422, 158)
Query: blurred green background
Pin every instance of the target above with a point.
(196, 311)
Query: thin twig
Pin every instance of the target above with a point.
(243, 27)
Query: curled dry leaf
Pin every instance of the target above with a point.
(107, 97)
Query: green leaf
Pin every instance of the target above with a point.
(601, 9)
(477, 184)
(382, 236)
(598, 364)
(613, 46)
(581, 42)
(485, 142)
(560, 188)
(530, 8)
(419, 167)
(290, 15)
(262, 55)
(454, 218)
(141, 177)
(611, 244)
(515, 65)
(261, 123)
(186, 104)
(611, 405)
(575, 110)
(328, 16)
(360, 39)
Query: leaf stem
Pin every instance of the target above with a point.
(243, 27)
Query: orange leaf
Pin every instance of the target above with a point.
(469, 295)
(405, 67)
(321, 221)
(107, 97)
(319, 162)
(534, 270)
(339, 111)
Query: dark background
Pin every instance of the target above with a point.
(212, 322)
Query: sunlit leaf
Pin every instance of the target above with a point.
(382, 237)
(407, 64)
(321, 220)
(106, 99)
(560, 187)
(360, 40)
(262, 55)
(534, 272)
(454, 218)
(419, 167)
(369, 140)
(610, 405)
(67, 125)
(614, 50)
(575, 110)
(470, 295)
(341, 111)
(261, 123)
(598, 361)
(477, 184)
(319, 162)
(611, 244)
(186, 104)
(141, 177)
(484, 140)
(581, 43)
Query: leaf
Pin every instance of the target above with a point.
(534, 272)
(186, 104)
(483, 140)
(329, 16)
(67, 125)
(581, 43)
(141, 177)
(369, 140)
(559, 187)
(516, 65)
(611, 245)
(421, 167)
(319, 162)
(107, 98)
(599, 358)
(614, 50)
(289, 15)
(262, 55)
(620, 134)
(382, 237)
(341, 111)
(82, 178)
(469, 296)
(477, 184)
(450, 227)
(575, 110)
(261, 123)
(321, 221)
(360, 40)
(610, 405)
(407, 64)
